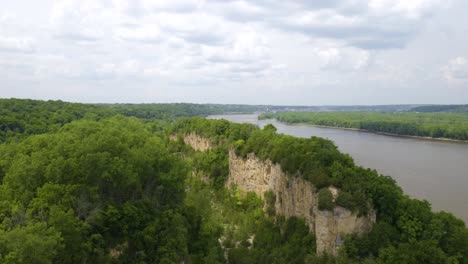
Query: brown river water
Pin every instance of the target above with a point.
(433, 170)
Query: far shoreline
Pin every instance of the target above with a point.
(449, 140)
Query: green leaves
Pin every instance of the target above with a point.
(91, 186)
(33, 243)
(414, 253)
(325, 200)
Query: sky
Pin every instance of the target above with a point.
(321, 52)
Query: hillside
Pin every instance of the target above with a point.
(100, 187)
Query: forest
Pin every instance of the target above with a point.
(433, 125)
(105, 184)
(20, 118)
(441, 108)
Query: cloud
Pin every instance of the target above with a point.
(372, 25)
(218, 45)
(5, 17)
(414, 9)
(240, 11)
(143, 7)
(197, 28)
(244, 55)
(84, 20)
(343, 58)
(146, 33)
(456, 69)
(22, 45)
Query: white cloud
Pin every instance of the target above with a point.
(413, 9)
(145, 33)
(456, 69)
(241, 11)
(78, 20)
(10, 44)
(5, 17)
(343, 58)
(199, 47)
(323, 18)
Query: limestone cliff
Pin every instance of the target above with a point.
(294, 196)
(195, 141)
(331, 226)
(297, 197)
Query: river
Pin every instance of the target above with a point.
(433, 170)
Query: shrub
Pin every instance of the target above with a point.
(345, 199)
(325, 200)
(270, 199)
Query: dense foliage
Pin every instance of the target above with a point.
(80, 184)
(115, 190)
(171, 111)
(90, 192)
(22, 117)
(435, 125)
(246, 234)
(385, 108)
(325, 199)
(175, 110)
(406, 230)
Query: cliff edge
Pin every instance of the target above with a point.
(293, 196)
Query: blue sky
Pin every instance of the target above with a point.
(221, 51)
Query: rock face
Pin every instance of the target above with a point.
(297, 197)
(294, 196)
(195, 141)
(331, 226)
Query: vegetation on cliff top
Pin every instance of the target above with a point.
(435, 125)
(81, 185)
(406, 229)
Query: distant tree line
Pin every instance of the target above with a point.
(434, 125)
(441, 108)
(23, 117)
(20, 118)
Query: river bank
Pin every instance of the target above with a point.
(377, 132)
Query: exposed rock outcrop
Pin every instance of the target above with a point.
(197, 142)
(331, 226)
(294, 196)
(297, 197)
